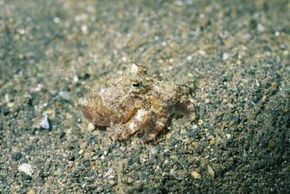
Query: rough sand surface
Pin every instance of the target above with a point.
(52, 53)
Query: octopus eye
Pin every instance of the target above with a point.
(136, 85)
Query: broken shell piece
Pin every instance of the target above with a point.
(26, 168)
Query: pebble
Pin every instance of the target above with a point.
(228, 136)
(130, 180)
(21, 31)
(112, 182)
(87, 155)
(31, 191)
(261, 27)
(56, 20)
(26, 168)
(189, 58)
(225, 56)
(210, 171)
(91, 127)
(37, 88)
(75, 79)
(84, 29)
(212, 141)
(44, 123)
(64, 95)
(195, 175)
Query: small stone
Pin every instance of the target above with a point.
(212, 141)
(210, 171)
(112, 182)
(105, 153)
(26, 168)
(124, 59)
(202, 52)
(84, 29)
(37, 88)
(195, 175)
(225, 56)
(56, 20)
(70, 164)
(87, 155)
(81, 151)
(21, 31)
(75, 79)
(172, 172)
(91, 127)
(10, 104)
(31, 191)
(65, 95)
(130, 180)
(44, 123)
(261, 27)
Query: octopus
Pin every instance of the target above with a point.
(137, 104)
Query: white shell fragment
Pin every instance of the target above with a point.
(26, 168)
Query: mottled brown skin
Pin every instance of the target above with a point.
(137, 104)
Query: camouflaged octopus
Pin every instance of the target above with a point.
(137, 104)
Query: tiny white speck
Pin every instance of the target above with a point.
(75, 79)
(194, 127)
(202, 52)
(189, 58)
(56, 20)
(84, 29)
(21, 31)
(124, 59)
(225, 56)
(261, 27)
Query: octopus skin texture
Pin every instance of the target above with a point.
(135, 103)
